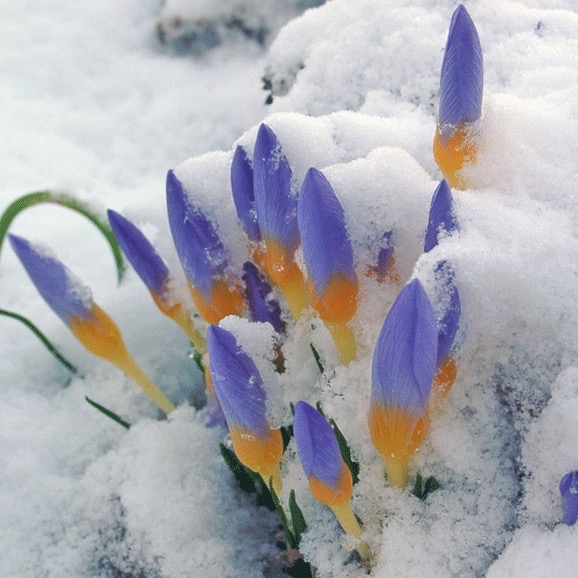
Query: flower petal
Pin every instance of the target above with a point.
(442, 219)
(198, 246)
(66, 295)
(569, 492)
(139, 251)
(449, 323)
(237, 382)
(275, 201)
(317, 445)
(244, 194)
(326, 245)
(462, 73)
(259, 298)
(405, 355)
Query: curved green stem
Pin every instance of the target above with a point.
(42, 338)
(69, 202)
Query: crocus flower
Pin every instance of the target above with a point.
(442, 220)
(384, 269)
(244, 194)
(260, 300)
(154, 273)
(448, 326)
(276, 208)
(72, 302)
(202, 255)
(404, 364)
(461, 88)
(263, 306)
(569, 492)
(329, 478)
(332, 282)
(239, 387)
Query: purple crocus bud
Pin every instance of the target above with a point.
(259, 297)
(63, 292)
(462, 74)
(329, 478)
(139, 251)
(72, 302)
(405, 355)
(404, 365)
(569, 492)
(239, 387)
(198, 246)
(449, 323)
(385, 255)
(275, 201)
(243, 193)
(442, 220)
(326, 245)
(202, 256)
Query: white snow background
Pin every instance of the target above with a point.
(92, 104)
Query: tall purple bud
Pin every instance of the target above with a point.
(332, 282)
(202, 255)
(276, 208)
(404, 364)
(461, 89)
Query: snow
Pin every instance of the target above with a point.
(94, 105)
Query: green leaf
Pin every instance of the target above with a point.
(418, 487)
(297, 518)
(286, 434)
(300, 569)
(113, 416)
(198, 359)
(431, 485)
(69, 202)
(51, 348)
(249, 481)
(346, 452)
(317, 358)
(422, 489)
(291, 540)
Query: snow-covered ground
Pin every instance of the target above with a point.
(92, 104)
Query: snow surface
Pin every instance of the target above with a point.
(93, 105)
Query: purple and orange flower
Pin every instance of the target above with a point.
(461, 90)
(72, 301)
(332, 282)
(154, 273)
(276, 210)
(239, 388)
(203, 257)
(403, 368)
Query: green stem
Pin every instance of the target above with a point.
(69, 202)
(42, 338)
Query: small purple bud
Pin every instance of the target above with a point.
(317, 445)
(243, 193)
(449, 323)
(198, 246)
(262, 305)
(462, 74)
(275, 201)
(326, 245)
(64, 293)
(569, 492)
(404, 359)
(237, 382)
(442, 220)
(385, 254)
(139, 251)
